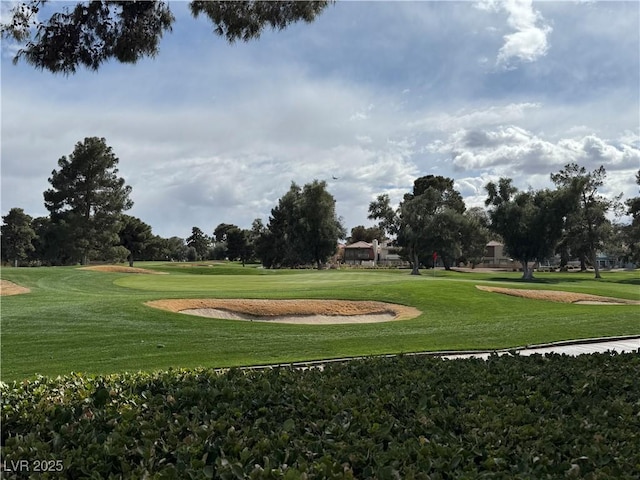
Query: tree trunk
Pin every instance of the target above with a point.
(583, 264)
(131, 259)
(446, 262)
(527, 272)
(596, 266)
(15, 262)
(564, 258)
(415, 264)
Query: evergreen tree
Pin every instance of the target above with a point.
(239, 246)
(303, 228)
(199, 242)
(320, 226)
(530, 223)
(134, 236)
(587, 227)
(17, 236)
(364, 234)
(632, 232)
(87, 198)
(475, 235)
(429, 219)
(91, 33)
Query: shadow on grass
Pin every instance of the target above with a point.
(516, 277)
(566, 279)
(215, 270)
(541, 281)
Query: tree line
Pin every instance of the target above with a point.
(87, 202)
(303, 229)
(570, 221)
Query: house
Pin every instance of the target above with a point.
(607, 261)
(495, 257)
(372, 254)
(360, 253)
(388, 256)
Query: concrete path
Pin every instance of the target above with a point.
(573, 348)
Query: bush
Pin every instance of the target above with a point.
(405, 417)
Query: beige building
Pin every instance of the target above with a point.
(373, 254)
(495, 257)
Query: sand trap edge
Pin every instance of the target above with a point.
(559, 296)
(8, 288)
(290, 311)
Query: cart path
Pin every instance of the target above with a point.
(573, 348)
(626, 344)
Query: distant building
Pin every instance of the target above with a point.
(389, 256)
(495, 257)
(606, 261)
(359, 252)
(372, 254)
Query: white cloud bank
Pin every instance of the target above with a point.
(529, 159)
(212, 136)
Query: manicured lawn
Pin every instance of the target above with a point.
(96, 322)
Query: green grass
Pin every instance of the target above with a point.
(94, 322)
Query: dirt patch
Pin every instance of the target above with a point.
(10, 288)
(559, 296)
(119, 269)
(290, 311)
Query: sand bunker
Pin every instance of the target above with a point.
(10, 288)
(310, 312)
(561, 297)
(119, 269)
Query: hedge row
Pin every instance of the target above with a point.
(387, 418)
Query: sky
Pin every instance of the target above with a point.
(375, 94)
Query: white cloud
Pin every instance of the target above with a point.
(473, 117)
(228, 164)
(472, 188)
(529, 159)
(630, 138)
(591, 150)
(529, 40)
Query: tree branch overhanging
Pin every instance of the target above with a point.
(92, 33)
